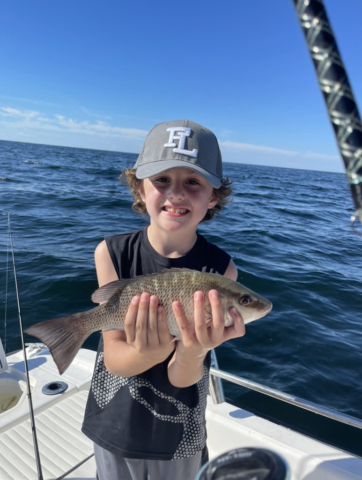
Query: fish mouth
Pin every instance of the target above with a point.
(267, 310)
(262, 311)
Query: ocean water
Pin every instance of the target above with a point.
(286, 230)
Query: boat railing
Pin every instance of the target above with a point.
(217, 395)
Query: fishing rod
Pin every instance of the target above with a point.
(334, 84)
(32, 420)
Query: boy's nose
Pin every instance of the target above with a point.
(176, 191)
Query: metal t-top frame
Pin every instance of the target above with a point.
(334, 84)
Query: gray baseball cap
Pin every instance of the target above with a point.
(180, 143)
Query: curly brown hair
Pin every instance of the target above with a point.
(221, 194)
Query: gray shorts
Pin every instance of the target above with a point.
(114, 467)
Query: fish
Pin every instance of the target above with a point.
(64, 336)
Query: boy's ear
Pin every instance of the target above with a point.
(213, 202)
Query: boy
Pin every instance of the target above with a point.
(146, 407)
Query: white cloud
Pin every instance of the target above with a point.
(245, 147)
(28, 100)
(57, 129)
(30, 119)
(13, 112)
(320, 156)
(93, 114)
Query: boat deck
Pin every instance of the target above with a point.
(58, 419)
(61, 443)
(63, 447)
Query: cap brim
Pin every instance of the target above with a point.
(151, 169)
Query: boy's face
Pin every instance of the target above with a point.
(177, 198)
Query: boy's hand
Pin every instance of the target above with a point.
(196, 343)
(146, 328)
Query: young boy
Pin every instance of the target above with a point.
(146, 407)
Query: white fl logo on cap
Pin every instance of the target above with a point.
(183, 132)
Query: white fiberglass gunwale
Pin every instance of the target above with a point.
(285, 397)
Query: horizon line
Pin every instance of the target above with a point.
(134, 153)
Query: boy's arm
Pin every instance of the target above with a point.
(144, 348)
(231, 271)
(187, 364)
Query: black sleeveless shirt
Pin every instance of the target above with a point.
(145, 416)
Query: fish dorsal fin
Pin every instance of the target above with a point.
(106, 291)
(185, 270)
(175, 270)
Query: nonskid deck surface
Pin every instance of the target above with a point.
(62, 445)
(58, 420)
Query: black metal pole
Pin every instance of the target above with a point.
(334, 84)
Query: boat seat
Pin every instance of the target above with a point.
(62, 445)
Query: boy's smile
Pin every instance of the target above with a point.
(177, 199)
(175, 211)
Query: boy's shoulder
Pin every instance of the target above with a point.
(213, 257)
(204, 243)
(124, 236)
(125, 251)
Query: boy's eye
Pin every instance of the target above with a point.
(193, 182)
(161, 179)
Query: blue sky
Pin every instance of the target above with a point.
(101, 73)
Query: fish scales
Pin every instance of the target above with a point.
(64, 336)
(167, 289)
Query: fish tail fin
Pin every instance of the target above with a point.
(63, 336)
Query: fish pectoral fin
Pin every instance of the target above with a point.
(208, 323)
(190, 328)
(207, 311)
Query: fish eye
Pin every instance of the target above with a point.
(245, 300)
